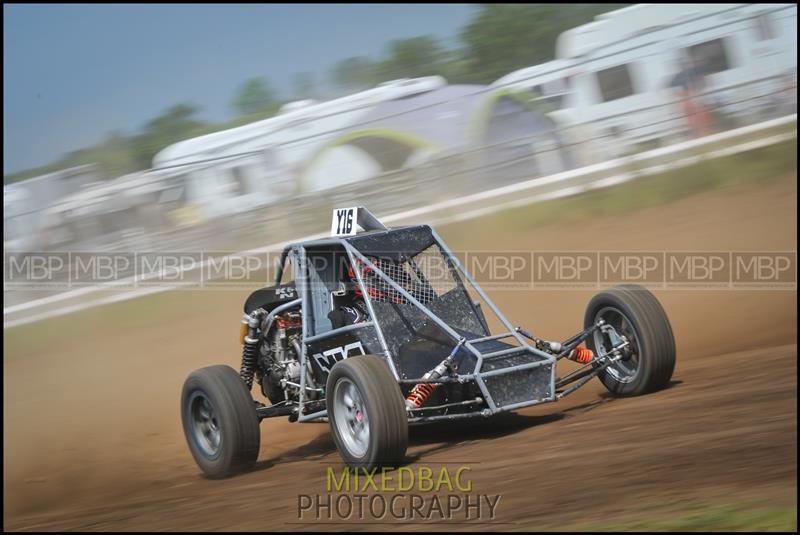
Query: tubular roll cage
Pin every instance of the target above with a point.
(299, 256)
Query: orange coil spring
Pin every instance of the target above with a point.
(421, 393)
(583, 355)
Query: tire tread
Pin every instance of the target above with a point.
(240, 423)
(385, 406)
(653, 330)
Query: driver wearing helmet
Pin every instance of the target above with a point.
(352, 308)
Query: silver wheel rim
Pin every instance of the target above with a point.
(205, 425)
(624, 370)
(350, 414)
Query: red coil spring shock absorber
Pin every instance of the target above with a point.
(583, 355)
(420, 394)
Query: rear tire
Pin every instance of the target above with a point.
(367, 413)
(636, 313)
(220, 421)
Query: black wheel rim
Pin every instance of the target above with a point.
(626, 368)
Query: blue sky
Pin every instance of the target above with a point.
(72, 73)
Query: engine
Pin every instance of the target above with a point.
(279, 360)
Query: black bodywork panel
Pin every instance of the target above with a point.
(323, 354)
(418, 343)
(393, 244)
(270, 297)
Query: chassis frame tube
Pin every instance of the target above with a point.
(524, 346)
(481, 413)
(299, 257)
(585, 379)
(574, 341)
(485, 413)
(274, 411)
(493, 337)
(576, 374)
(302, 271)
(475, 401)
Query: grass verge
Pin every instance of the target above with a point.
(761, 166)
(731, 517)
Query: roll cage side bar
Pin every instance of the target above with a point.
(297, 253)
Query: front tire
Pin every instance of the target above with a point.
(367, 413)
(635, 313)
(220, 421)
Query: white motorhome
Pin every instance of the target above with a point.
(620, 69)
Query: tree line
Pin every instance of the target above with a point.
(500, 38)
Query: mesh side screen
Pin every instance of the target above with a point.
(425, 276)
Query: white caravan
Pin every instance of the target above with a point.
(24, 203)
(618, 71)
(547, 82)
(220, 174)
(242, 168)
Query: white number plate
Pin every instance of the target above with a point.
(344, 222)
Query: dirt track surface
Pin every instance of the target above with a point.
(93, 438)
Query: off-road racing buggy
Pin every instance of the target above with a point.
(385, 328)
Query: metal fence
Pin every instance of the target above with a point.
(33, 298)
(146, 225)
